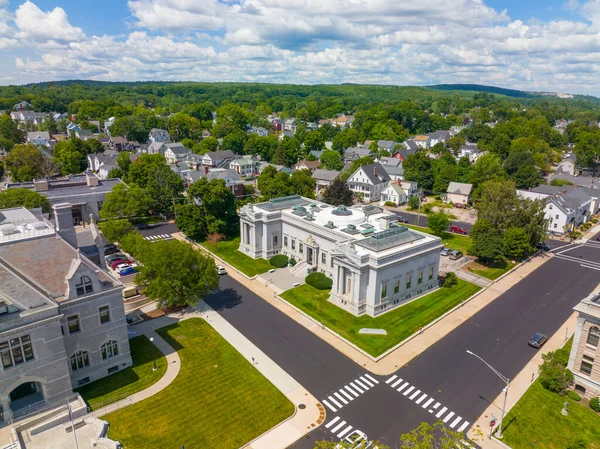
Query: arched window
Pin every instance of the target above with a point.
(84, 285)
(80, 360)
(109, 349)
(593, 336)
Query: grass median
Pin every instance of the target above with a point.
(490, 271)
(449, 239)
(218, 400)
(130, 380)
(228, 251)
(399, 323)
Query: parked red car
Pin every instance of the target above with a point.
(458, 230)
(460, 205)
(117, 262)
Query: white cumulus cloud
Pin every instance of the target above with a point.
(35, 24)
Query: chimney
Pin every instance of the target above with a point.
(40, 185)
(91, 179)
(374, 171)
(384, 222)
(63, 220)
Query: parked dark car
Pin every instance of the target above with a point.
(460, 206)
(110, 249)
(110, 259)
(455, 255)
(458, 230)
(142, 226)
(537, 340)
(542, 246)
(401, 219)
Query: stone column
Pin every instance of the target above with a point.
(6, 410)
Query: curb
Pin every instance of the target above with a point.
(249, 443)
(496, 440)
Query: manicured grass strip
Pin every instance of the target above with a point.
(452, 241)
(130, 380)
(228, 251)
(492, 271)
(537, 419)
(399, 323)
(218, 400)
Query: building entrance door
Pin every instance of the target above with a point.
(309, 255)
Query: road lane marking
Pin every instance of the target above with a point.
(429, 401)
(338, 427)
(455, 422)
(330, 407)
(396, 383)
(437, 404)
(409, 390)
(351, 390)
(350, 398)
(402, 387)
(358, 389)
(371, 378)
(588, 266)
(361, 384)
(418, 401)
(344, 432)
(336, 403)
(391, 379)
(339, 396)
(464, 426)
(367, 381)
(414, 395)
(332, 422)
(441, 412)
(448, 416)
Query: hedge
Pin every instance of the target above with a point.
(279, 261)
(319, 281)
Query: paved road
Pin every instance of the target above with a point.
(444, 378)
(159, 231)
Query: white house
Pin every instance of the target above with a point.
(324, 179)
(566, 167)
(394, 193)
(469, 150)
(368, 182)
(422, 141)
(459, 192)
(393, 167)
(175, 152)
(244, 165)
(441, 136)
(307, 165)
(158, 135)
(290, 125)
(375, 264)
(39, 138)
(217, 159)
(258, 130)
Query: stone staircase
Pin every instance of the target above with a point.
(299, 269)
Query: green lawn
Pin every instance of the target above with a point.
(491, 271)
(228, 251)
(452, 241)
(537, 419)
(130, 380)
(218, 400)
(399, 323)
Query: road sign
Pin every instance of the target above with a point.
(492, 423)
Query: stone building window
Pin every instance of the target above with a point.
(396, 285)
(408, 281)
(293, 244)
(593, 336)
(420, 278)
(80, 360)
(104, 313)
(16, 351)
(430, 273)
(84, 285)
(285, 241)
(109, 349)
(301, 248)
(383, 290)
(324, 258)
(586, 365)
(73, 324)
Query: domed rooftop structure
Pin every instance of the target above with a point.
(341, 216)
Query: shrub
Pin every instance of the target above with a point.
(554, 376)
(292, 261)
(413, 202)
(279, 261)
(595, 404)
(594, 220)
(451, 280)
(389, 203)
(573, 395)
(427, 208)
(320, 281)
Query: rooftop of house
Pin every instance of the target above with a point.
(308, 164)
(177, 148)
(583, 181)
(118, 140)
(38, 135)
(220, 155)
(573, 199)
(421, 138)
(68, 187)
(375, 172)
(228, 175)
(325, 175)
(460, 188)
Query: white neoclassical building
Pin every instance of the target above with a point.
(375, 263)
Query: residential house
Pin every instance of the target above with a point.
(393, 167)
(459, 193)
(408, 147)
(193, 161)
(159, 135)
(276, 123)
(41, 138)
(368, 181)
(343, 121)
(175, 152)
(324, 179)
(83, 134)
(258, 130)
(566, 166)
(216, 159)
(96, 160)
(244, 165)
(316, 153)
(441, 136)
(386, 145)
(322, 122)
(232, 180)
(29, 117)
(63, 319)
(410, 187)
(422, 141)
(205, 134)
(284, 134)
(23, 105)
(98, 129)
(469, 150)
(394, 193)
(72, 128)
(307, 165)
(290, 125)
(582, 181)
(156, 148)
(107, 124)
(312, 126)
(105, 169)
(584, 359)
(454, 130)
(118, 143)
(352, 154)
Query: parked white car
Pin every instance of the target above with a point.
(221, 269)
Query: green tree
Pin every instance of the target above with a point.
(338, 193)
(331, 160)
(71, 161)
(432, 436)
(527, 177)
(418, 167)
(289, 149)
(124, 162)
(182, 126)
(176, 274)
(23, 198)
(347, 138)
(115, 230)
(554, 376)
(455, 143)
(303, 183)
(313, 141)
(190, 220)
(413, 202)
(9, 129)
(262, 146)
(500, 145)
(486, 168)
(438, 222)
(206, 145)
(587, 148)
(25, 162)
(234, 141)
(486, 242)
(516, 243)
(272, 184)
(217, 204)
(116, 173)
(123, 202)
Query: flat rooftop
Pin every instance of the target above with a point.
(69, 186)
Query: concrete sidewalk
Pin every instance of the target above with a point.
(479, 432)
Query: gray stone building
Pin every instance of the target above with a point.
(375, 263)
(62, 320)
(85, 193)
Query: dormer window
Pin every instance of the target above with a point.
(84, 285)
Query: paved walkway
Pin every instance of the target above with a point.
(411, 348)
(518, 387)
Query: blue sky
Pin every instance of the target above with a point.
(528, 44)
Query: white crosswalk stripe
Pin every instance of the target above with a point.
(350, 398)
(361, 384)
(455, 422)
(356, 388)
(441, 412)
(391, 379)
(344, 432)
(372, 379)
(463, 426)
(409, 390)
(368, 382)
(402, 387)
(351, 390)
(339, 396)
(338, 427)
(342, 397)
(158, 237)
(396, 383)
(427, 402)
(414, 395)
(418, 401)
(447, 418)
(334, 402)
(329, 406)
(332, 422)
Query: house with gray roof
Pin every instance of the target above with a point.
(232, 180)
(393, 167)
(459, 192)
(217, 159)
(41, 138)
(324, 179)
(352, 154)
(175, 152)
(368, 181)
(158, 135)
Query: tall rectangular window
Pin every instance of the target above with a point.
(285, 241)
(586, 365)
(293, 244)
(301, 248)
(324, 258)
(430, 273)
(383, 290)
(420, 278)
(396, 285)
(73, 324)
(408, 281)
(593, 336)
(104, 313)
(275, 240)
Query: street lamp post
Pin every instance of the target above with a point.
(154, 361)
(505, 380)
